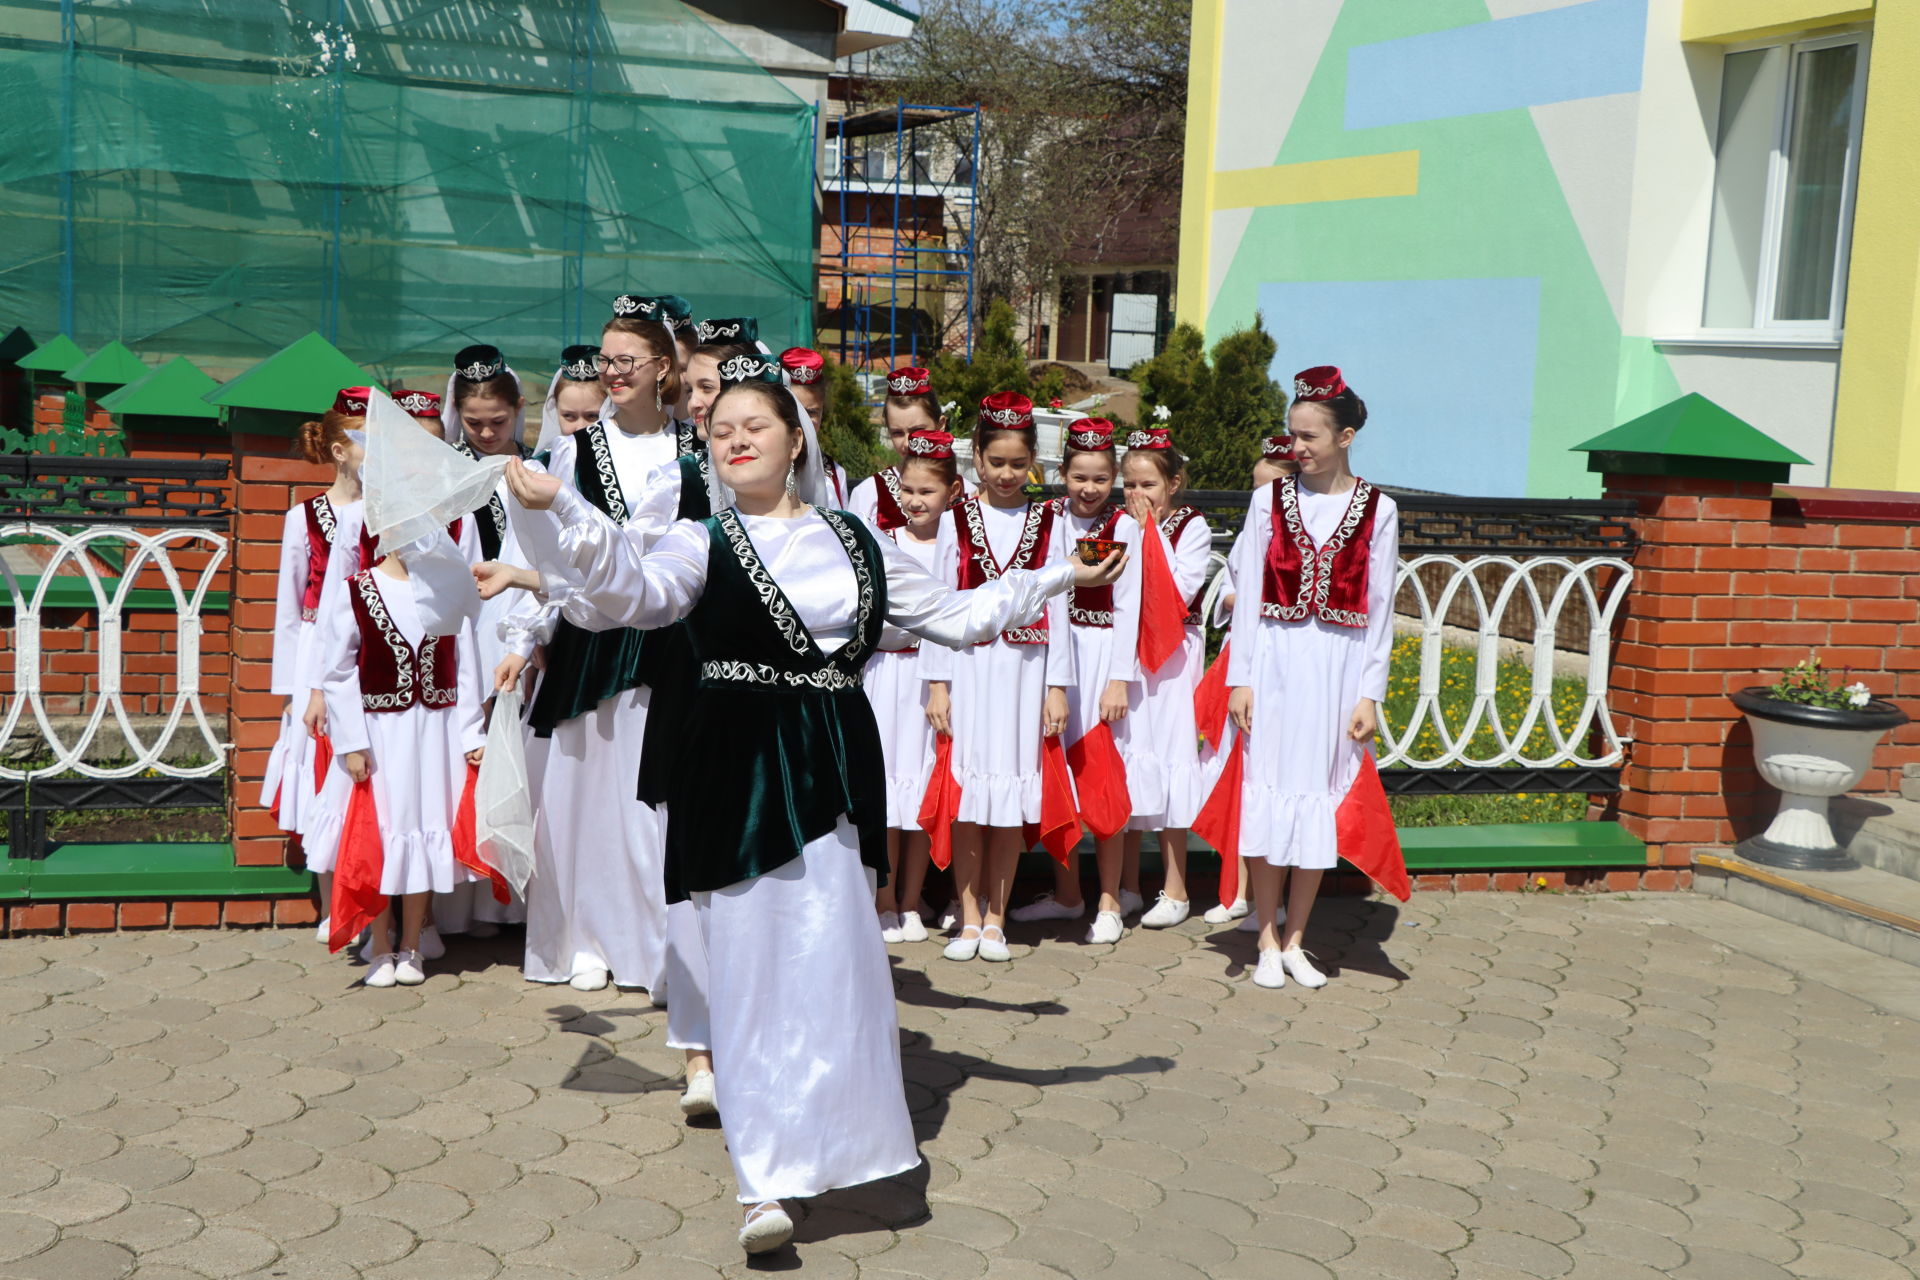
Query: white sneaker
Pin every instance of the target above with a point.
(589, 980)
(890, 927)
(697, 1098)
(767, 1228)
(949, 922)
(912, 929)
(1107, 927)
(1301, 969)
(381, 974)
(1251, 924)
(323, 932)
(431, 946)
(482, 929)
(1131, 903)
(1224, 913)
(1047, 907)
(1165, 913)
(407, 970)
(1271, 971)
(993, 945)
(964, 947)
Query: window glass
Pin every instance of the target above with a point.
(1818, 139)
(1751, 87)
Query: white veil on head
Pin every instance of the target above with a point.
(810, 480)
(575, 361)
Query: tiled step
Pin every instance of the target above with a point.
(1874, 910)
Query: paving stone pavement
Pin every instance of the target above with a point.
(1493, 1087)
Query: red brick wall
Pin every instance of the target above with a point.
(1734, 582)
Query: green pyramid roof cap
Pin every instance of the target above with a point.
(300, 378)
(1692, 427)
(177, 389)
(15, 345)
(112, 364)
(56, 356)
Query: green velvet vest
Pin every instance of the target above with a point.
(668, 665)
(778, 742)
(585, 668)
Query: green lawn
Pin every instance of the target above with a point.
(1457, 667)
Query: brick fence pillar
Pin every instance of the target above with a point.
(266, 482)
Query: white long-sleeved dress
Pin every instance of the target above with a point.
(998, 689)
(1165, 770)
(803, 1028)
(1104, 653)
(289, 786)
(417, 755)
(898, 693)
(1306, 678)
(597, 900)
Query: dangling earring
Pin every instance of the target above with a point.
(793, 487)
(659, 384)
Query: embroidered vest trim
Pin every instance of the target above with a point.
(978, 567)
(1093, 606)
(887, 511)
(1329, 581)
(321, 525)
(593, 473)
(1171, 528)
(393, 674)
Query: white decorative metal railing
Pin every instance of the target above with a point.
(146, 554)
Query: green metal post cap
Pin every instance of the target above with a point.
(54, 356)
(113, 365)
(177, 389)
(301, 378)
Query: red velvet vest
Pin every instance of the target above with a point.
(393, 674)
(320, 526)
(1171, 528)
(886, 499)
(369, 545)
(1329, 581)
(1093, 606)
(978, 567)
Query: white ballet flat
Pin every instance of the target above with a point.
(381, 972)
(890, 927)
(912, 927)
(993, 945)
(1108, 927)
(590, 980)
(1047, 907)
(1226, 913)
(407, 969)
(698, 1097)
(1271, 971)
(964, 947)
(767, 1228)
(323, 932)
(431, 945)
(1301, 969)
(1166, 913)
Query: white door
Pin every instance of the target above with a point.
(1131, 330)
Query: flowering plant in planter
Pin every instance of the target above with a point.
(1810, 685)
(1813, 739)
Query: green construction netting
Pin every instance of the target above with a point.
(216, 178)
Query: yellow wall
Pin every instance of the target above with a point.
(1727, 21)
(1196, 177)
(1876, 428)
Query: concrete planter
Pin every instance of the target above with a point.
(1810, 754)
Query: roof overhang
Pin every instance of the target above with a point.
(871, 24)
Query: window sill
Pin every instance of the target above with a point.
(1756, 340)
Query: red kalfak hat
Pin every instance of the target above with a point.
(803, 365)
(1277, 448)
(1322, 382)
(1150, 438)
(910, 381)
(1090, 435)
(352, 401)
(929, 444)
(421, 404)
(1007, 409)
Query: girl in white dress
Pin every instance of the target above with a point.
(1164, 767)
(778, 821)
(909, 407)
(405, 712)
(291, 789)
(596, 906)
(1312, 636)
(1104, 623)
(928, 483)
(1000, 696)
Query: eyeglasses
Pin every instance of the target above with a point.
(622, 364)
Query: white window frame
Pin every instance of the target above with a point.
(1765, 330)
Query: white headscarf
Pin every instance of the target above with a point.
(810, 483)
(450, 408)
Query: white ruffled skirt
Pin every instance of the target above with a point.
(899, 699)
(1300, 763)
(999, 692)
(1162, 749)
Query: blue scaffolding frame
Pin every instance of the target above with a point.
(882, 276)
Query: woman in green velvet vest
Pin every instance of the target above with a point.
(776, 809)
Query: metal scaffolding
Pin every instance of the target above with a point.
(903, 245)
